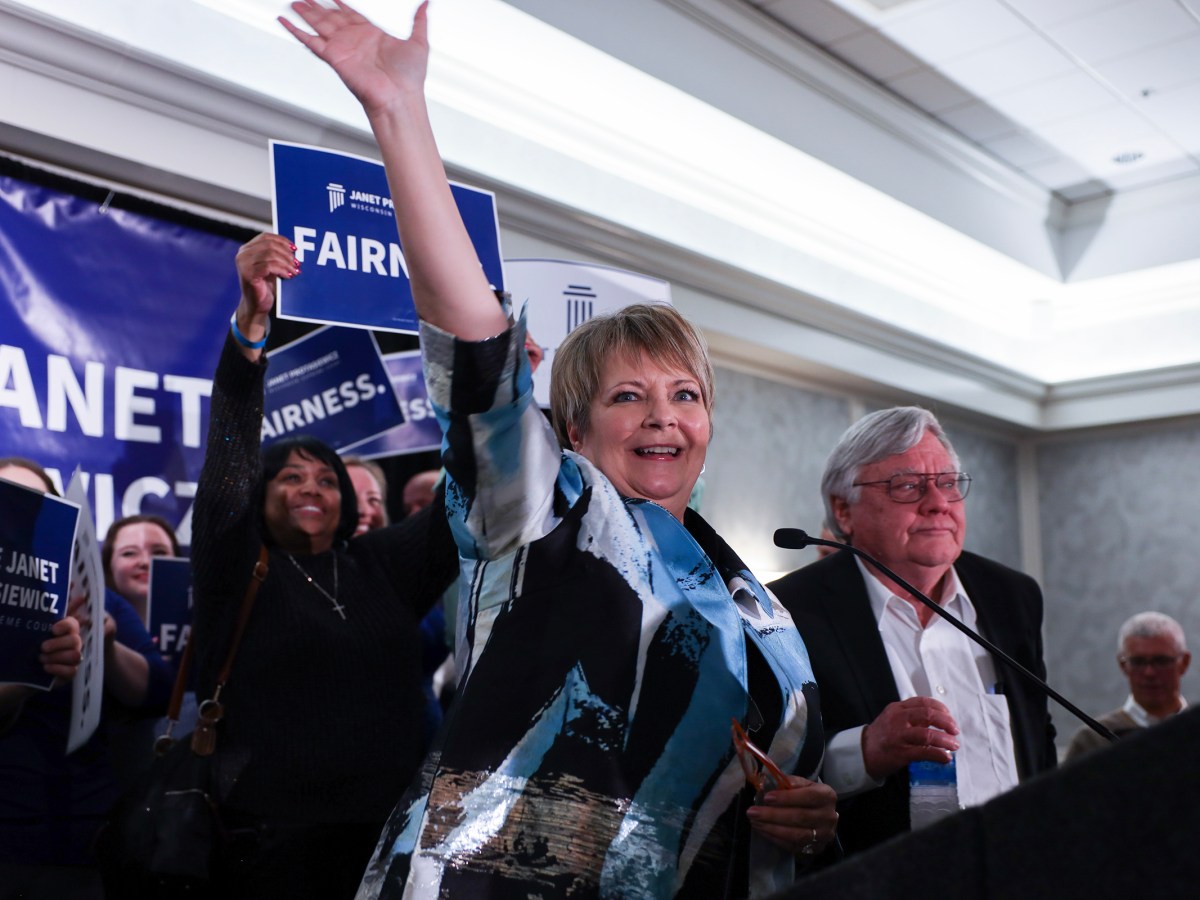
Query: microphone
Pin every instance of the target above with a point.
(798, 539)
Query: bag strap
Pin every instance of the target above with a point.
(211, 710)
(257, 577)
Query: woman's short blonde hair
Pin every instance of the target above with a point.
(656, 329)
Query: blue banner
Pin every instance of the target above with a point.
(420, 432)
(37, 533)
(337, 210)
(111, 323)
(331, 384)
(169, 605)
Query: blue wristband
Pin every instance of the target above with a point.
(245, 341)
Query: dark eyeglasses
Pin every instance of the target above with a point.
(911, 486)
(761, 774)
(1148, 662)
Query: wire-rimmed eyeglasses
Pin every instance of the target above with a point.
(1148, 662)
(910, 487)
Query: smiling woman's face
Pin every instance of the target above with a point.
(134, 546)
(648, 430)
(303, 505)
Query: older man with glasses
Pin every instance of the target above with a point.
(898, 684)
(1153, 655)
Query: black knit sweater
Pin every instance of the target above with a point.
(324, 716)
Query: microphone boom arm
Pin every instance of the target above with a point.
(795, 539)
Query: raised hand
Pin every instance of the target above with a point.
(260, 262)
(387, 76)
(373, 64)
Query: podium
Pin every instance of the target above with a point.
(1123, 821)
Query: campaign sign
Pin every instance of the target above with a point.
(87, 586)
(111, 323)
(558, 296)
(421, 431)
(169, 606)
(336, 209)
(331, 384)
(37, 532)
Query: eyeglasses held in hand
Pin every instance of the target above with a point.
(911, 486)
(761, 774)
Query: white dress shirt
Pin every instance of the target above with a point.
(1138, 713)
(938, 661)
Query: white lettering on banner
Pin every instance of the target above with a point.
(185, 490)
(86, 402)
(140, 488)
(190, 391)
(14, 370)
(127, 404)
(350, 252)
(62, 388)
(329, 402)
(103, 498)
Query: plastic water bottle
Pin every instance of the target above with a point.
(932, 792)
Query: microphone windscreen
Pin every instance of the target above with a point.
(792, 538)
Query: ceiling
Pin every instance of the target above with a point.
(1085, 97)
(992, 204)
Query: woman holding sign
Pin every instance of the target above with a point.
(613, 635)
(53, 803)
(323, 725)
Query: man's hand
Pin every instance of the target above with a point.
(916, 729)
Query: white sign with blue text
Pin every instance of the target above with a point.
(558, 296)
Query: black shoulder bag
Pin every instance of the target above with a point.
(162, 836)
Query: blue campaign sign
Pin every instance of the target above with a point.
(111, 322)
(421, 432)
(37, 533)
(169, 605)
(337, 210)
(332, 384)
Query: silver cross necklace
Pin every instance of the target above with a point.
(332, 598)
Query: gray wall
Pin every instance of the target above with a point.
(993, 521)
(764, 466)
(1120, 534)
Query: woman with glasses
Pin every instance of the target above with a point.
(613, 637)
